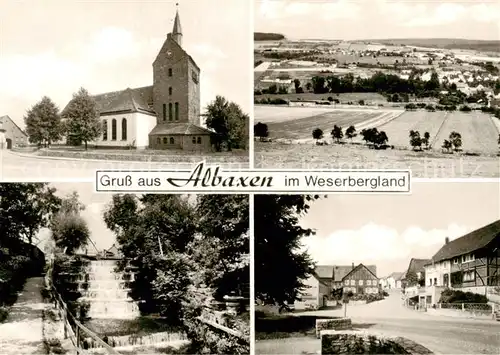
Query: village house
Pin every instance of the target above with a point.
(361, 280)
(165, 115)
(393, 281)
(470, 263)
(11, 135)
(314, 295)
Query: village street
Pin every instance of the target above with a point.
(441, 334)
(22, 167)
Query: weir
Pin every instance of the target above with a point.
(106, 291)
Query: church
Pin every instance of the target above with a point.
(165, 115)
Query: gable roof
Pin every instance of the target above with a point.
(182, 128)
(324, 271)
(417, 265)
(128, 100)
(370, 268)
(470, 242)
(15, 124)
(171, 40)
(397, 276)
(341, 271)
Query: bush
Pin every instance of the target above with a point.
(3, 314)
(452, 296)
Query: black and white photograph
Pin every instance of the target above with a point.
(88, 273)
(378, 84)
(379, 274)
(123, 84)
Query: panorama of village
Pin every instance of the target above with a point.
(366, 283)
(429, 105)
(88, 273)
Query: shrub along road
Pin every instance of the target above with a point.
(443, 335)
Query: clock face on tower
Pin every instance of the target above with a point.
(169, 53)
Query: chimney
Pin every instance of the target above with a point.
(446, 240)
(353, 266)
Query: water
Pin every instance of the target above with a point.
(107, 292)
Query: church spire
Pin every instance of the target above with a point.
(177, 31)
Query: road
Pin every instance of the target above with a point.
(441, 334)
(22, 167)
(21, 333)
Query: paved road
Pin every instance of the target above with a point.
(21, 333)
(443, 335)
(17, 167)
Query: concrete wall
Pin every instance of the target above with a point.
(332, 324)
(356, 342)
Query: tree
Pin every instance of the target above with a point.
(83, 120)
(456, 140)
(153, 231)
(25, 209)
(415, 140)
(229, 123)
(260, 130)
(337, 133)
(351, 132)
(296, 82)
(426, 139)
(222, 249)
(411, 278)
(317, 134)
(447, 145)
(281, 266)
(43, 122)
(69, 230)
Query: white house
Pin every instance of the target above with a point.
(315, 294)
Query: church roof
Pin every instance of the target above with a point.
(128, 100)
(177, 24)
(179, 129)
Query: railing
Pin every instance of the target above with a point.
(77, 332)
(216, 320)
(467, 307)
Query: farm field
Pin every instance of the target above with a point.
(423, 164)
(398, 130)
(479, 133)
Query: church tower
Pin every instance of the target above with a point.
(176, 87)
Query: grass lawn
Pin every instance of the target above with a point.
(427, 164)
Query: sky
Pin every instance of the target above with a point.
(62, 45)
(389, 230)
(379, 19)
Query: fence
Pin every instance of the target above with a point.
(467, 307)
(217, 321)
(81, 337)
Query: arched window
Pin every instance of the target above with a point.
(124, 129)
(170, 90)
(164, 140)
(198, 140)
(113, 130)
(164, 112)
(177, 111)
(194, 140)
(105, 130)
(169, 71)
(170, 113)
(172, 141)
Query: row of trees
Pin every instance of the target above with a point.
(80, 122)
(188, 252)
